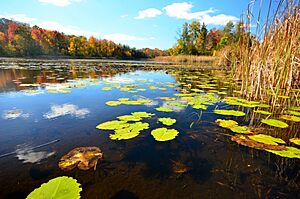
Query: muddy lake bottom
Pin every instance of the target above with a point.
(54, 110)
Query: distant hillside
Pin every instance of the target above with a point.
(20, 40)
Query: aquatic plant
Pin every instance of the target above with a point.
(132, 131)
(164, 134)
(164, 109)
(167, 121)
(230, 113)
(58, 188)
(275, 123)
(83, 157)
(113, 125)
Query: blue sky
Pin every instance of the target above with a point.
(138, 23)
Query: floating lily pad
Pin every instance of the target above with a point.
(240, 129)
(83, 157)
(290, 118)
(167, 121)
(142, 114)
(113, 103)
(230, 113)
(226, 123)
(164, 134)
(295, 141)
(275, 123)
(266, 139)
(246, 141)
(129, 118)
(167, 98)
(200, 106)
(106, 88)
(164, 109)
(112, 125)
(58, 188)
(132, 131)
(263, 112)
(294, 113)
(290, 152)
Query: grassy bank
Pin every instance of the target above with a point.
(187, 59)
(268, 63)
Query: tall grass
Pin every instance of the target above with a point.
(268, 62)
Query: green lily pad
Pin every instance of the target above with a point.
(129, 118)
(294, 113)
(132, 131)
(200, 106)
(58, 188)
(123, 99)
(164, 134)
(226, 123)
(176, 104)
(142, 114)
(112, 125)
(290, 152)
(106, 88)
(240, 129)
(290, 118)
(167, 121)
(263, 112)
(167, 98)
(113, 103)
(275, 123)
(163, 109)
(230, 113)
(266, 139)
(295, 141)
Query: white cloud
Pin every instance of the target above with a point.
(60, 3)
(73, 30)
(119, 37)
(124, 16)
(183, 11)
(220, 19)
(148, 13)
(19, 17)
(66, 109)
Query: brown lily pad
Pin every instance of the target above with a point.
(84, 158)
(179, 167)
(246, 141)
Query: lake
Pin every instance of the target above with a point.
(50, 107)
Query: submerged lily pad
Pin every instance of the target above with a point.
(164, 134)
(275, 123)
(230, 113)
(290, 118)
(164, 109)
(58, 188)
(112, 125)
(266, 139)
(83, 157)
(167, 121)
(290, 152)
(295, 141)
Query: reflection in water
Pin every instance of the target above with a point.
(26, 154)
(202, 162)
(66, 109)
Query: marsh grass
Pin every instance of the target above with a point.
(268, 63)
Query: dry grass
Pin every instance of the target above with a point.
(186, 59)
(270, 67)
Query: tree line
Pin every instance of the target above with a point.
(195, 39)
(19, 39)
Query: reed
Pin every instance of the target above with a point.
(268, 62)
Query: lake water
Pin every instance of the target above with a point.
(58, 106)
